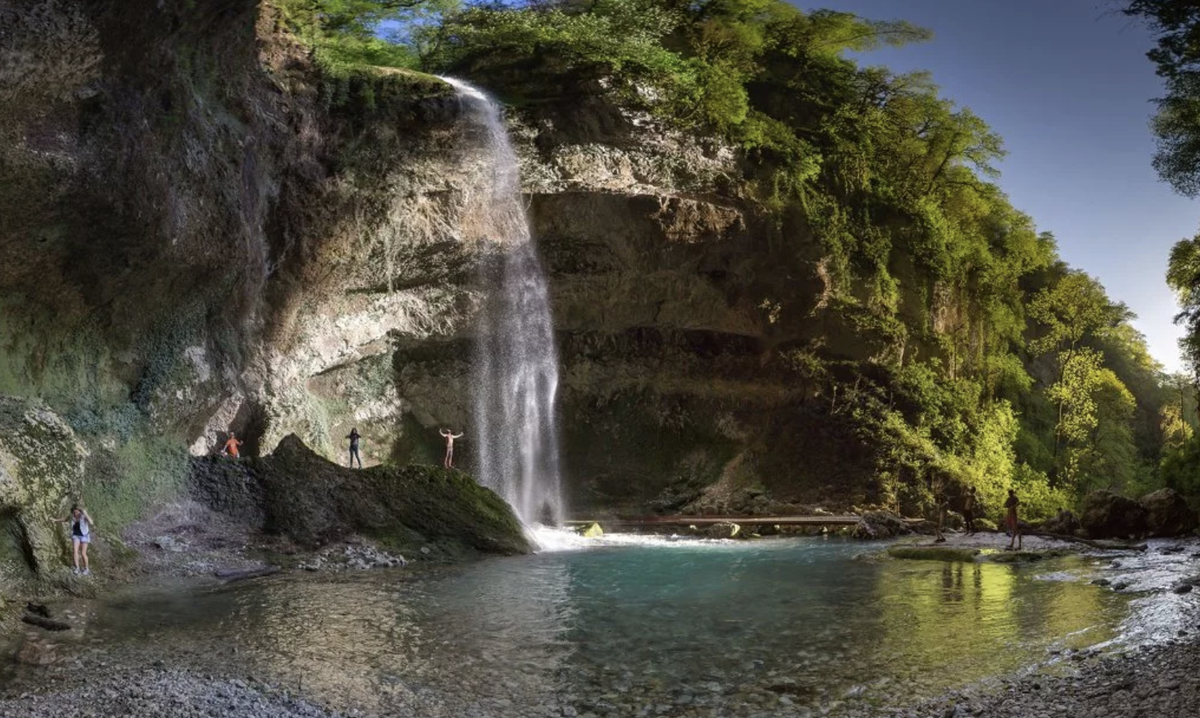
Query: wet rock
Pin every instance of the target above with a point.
(170, 543)
(1168, 514)
(1182, 588)
(1110, 515)
(722, 530)
(879, 525)
(37, 653)
(1064, 523)
(316, 502)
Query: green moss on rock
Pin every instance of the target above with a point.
(313, 501)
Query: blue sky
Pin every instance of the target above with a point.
(1068, 86)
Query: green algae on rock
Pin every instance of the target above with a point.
(295, 492)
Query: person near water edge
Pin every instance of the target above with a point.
(353, 437)
(943, 506)
(1010, 519)
(448, 462)
(81, 535)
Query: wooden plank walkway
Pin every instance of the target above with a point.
(709, 520)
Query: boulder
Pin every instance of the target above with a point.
(1064, 523)
(879, 525)
(1109, 515)
(722, 530)
(1168, 513)
(41, 468)
(296, 493)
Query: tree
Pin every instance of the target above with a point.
(1177, 59)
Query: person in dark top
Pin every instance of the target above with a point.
(969, 511)
(353, 437)
(1010, 519)
(81, 536)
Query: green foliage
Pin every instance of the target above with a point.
(1177, 59)
(344, 33)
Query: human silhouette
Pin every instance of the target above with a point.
(1010, 518)
(231, 446)
(448, 462)
(353, 437)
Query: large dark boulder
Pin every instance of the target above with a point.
(1109, 515)
(1168, 513)
(295, 492)
(879, 525)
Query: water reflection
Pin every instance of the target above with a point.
(712, 629)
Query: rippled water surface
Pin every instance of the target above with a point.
(658, 628)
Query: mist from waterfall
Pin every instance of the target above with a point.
(515, 369)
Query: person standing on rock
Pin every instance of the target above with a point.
(1010, 519)
(969, 511)
(231, 446)
(353, 437)
(81, 535)
(448, 462)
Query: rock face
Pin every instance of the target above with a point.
(1168, 514)
(297, 493)
(41, 467)
(1109, 515)
(203, 232)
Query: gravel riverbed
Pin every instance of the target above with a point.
(1151, 682)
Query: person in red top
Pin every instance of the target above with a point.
(231, 446)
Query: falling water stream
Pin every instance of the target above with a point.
(516, 365)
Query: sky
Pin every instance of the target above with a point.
(1067, 84)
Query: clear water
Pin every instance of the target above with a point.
(515, 366)
(662, 628)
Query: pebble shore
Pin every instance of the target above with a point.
(1148, 683)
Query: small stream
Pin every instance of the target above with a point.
(651, 627)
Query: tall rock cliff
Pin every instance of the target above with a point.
(203, 231)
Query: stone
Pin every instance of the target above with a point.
(1110, 515)
(41, 472)
(879, 525)
(1183, 588)
(1168, 513)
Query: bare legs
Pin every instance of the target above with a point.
(81, 556)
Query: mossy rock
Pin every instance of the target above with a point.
(313, 501)
(933, 553)
(986, 525)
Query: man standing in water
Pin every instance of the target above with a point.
(353, 437)
(1010, 518)
(450, 437)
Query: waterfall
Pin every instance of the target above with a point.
(515, 368)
